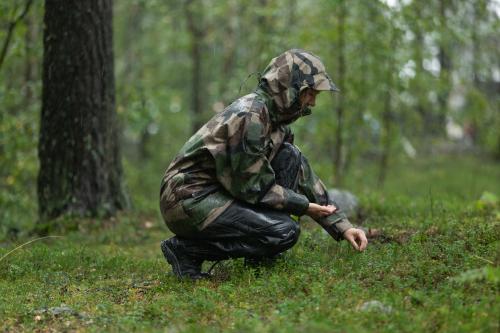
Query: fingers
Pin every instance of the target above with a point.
(353, 243)
(357, 238)
(327, 210)
(363, 241)
(318, 211)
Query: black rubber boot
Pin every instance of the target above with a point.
(183, 265)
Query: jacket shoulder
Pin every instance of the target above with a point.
(249, 107)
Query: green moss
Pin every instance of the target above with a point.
(439, 272)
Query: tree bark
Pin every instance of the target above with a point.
(79, 152)
(421, 86)
(387, 114)
(386, 131)
(30, 71)
(360, 105)
(445, 71)
(261, 28)
(229, 52)
(338, 160)
(197, 34)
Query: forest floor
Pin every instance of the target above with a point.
(436, 269)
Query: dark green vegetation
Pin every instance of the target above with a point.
(437, 270)
(405, 70)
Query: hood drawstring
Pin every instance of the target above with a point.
(259, 75)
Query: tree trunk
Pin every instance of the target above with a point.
(339, 144)
(30, 71)
(229, 52)
(386, 132)
(261, 27)
(421, 85)
(387, 114)
(360, 105)
(196, 49)
(445, 71)
(80, 166)
(477, 13)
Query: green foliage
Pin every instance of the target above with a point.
(436, 269)
(19, 92)
(390, 50)
(487, 273)
(487, 200)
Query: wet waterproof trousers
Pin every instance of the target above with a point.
(244, 230)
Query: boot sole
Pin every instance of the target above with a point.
(171, 258)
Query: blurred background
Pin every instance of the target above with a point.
(417, 116)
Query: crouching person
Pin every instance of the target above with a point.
(230, 191)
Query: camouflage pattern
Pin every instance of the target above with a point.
(314, 189)
(229, 157)
(285, 78)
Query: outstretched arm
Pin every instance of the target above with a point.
(333, 221)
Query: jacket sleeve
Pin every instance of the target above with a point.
(245, 171)
(314, 189)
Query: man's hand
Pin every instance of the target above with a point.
(316, 211)
(357, 238)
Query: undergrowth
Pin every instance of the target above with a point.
(436, 269)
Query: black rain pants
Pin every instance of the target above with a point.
(248, 231)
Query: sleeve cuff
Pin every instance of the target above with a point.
(343, 225)
(335, 227)
(296, 204)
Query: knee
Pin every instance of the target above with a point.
(293, 232)
(286, 235)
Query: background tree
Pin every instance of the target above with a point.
(193, 11)
(79, 151)
(155, 68)
(340, 109)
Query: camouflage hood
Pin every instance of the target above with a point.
(286, 76)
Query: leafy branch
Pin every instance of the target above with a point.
(10, 30)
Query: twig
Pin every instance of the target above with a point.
(485, 260)
(31, 241)
(10, 30)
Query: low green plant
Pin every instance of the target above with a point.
(435, 269)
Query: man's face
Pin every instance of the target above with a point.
(308, 98)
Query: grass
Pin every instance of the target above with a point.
(437, 271)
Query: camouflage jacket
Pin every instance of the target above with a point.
(229, 158)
